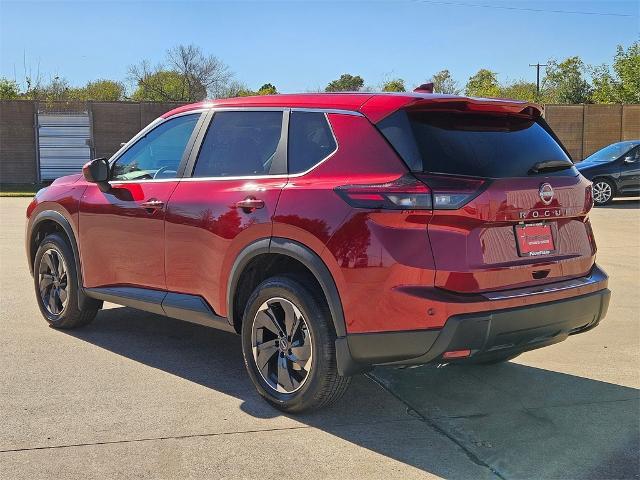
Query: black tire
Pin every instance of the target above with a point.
(321, 385)
(64, 313)
(600, 188)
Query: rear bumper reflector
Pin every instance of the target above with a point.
(456, 354)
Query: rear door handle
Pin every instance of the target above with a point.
(250, 203)
(152, 204)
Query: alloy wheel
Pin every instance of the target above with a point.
(281, 345)
(601, 192)
(53, 282)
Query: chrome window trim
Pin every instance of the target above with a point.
(281, 108)
(213, 109)
(288, 175)
(313, 167)
(328, 110)
(208, 179)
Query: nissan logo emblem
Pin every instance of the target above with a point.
(546, 193)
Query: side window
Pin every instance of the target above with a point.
(158, 153)
(239, 144)
(310, 140)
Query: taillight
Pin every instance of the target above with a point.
(451, 193)
(405, 193)
(426, 192)
(588, 198)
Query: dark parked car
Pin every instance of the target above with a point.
(614, 171)
(333, 232)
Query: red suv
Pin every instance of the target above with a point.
(333, 232)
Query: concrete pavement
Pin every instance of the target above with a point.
(135, 395)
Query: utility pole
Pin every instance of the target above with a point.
(538, 65)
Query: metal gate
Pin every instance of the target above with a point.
(64, 140)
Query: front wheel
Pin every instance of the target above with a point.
(56, 284)
(602, 192)
(288, 344)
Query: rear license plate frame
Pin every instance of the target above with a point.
(527, 249)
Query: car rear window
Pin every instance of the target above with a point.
(479, 145)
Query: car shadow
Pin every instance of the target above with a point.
(522, 421)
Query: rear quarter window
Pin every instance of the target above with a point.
(310, 140)
(479, 145)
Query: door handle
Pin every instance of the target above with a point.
(152, 204)
(250, 204)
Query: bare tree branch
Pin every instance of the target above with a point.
(187, 75)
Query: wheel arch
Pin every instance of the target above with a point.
(45, 223)
(297, 252)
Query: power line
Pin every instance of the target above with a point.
(538, 65)
(525, 9)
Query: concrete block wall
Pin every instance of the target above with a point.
(17, 142)
(112, 124)
(582, 128)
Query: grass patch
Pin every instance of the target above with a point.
(18, 190)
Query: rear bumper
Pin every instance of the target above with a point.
(486, 334)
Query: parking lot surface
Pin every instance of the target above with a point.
(135, 395)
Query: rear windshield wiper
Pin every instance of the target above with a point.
(549, 166)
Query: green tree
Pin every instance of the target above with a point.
(166, 85)
(267, 89)
(483, 84)
(444, 83)
(102, 90)
(519, 90)
(236, 89)
(606, 88)
(245, 92)
(623, 85)
(564, 82)
(9, 89)
(394, 85)
(346, 83)
(58, 89)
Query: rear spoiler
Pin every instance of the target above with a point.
(379, 107)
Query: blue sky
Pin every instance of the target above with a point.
(302, 45)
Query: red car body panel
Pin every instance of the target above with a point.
(374, 107)
(122, 243)
(205, 231)
(395, 270)
(62, 196)
(312, 213)
(475, 249)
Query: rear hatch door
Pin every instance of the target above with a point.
(510, 209)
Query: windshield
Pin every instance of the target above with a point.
(610, 153)
(474, 144)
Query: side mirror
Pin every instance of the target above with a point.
(630, 159)
(97, 171)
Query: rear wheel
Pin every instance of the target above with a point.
(603, 191)
(56, 285)
(288, 345)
